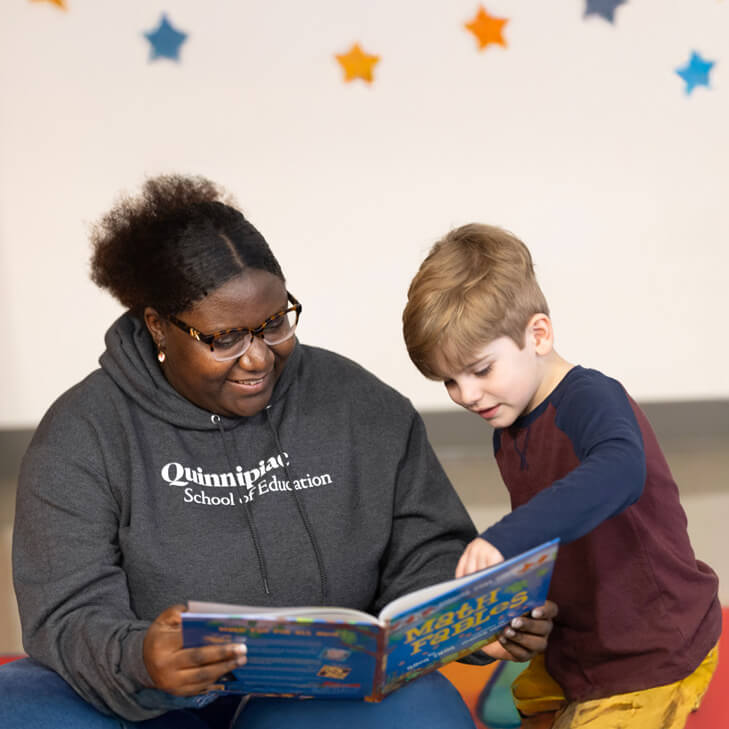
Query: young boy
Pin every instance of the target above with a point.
(635, 641)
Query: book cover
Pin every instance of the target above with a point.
(342, 653)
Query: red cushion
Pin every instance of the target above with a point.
(714, 708)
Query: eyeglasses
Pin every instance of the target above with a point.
(233, 343)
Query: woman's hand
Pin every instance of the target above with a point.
(526, 636)
(185, 671)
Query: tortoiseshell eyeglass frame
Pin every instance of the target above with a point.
(209, 339)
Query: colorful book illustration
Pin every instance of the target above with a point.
(330, 652)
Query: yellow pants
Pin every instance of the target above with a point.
(540, 699)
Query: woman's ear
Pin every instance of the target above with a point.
(540, 330)
(155, 326)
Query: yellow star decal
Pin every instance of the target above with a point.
(357, 64)
(487, 28)
(60, 3)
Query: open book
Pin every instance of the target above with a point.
(342, 653)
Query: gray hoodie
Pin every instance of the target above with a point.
(132, 499)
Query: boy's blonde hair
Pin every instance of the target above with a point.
(477, 284)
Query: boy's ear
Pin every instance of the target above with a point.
(539, 329)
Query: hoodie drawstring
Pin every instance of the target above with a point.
(303, 515)
(249, 518)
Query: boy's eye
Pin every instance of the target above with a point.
(483, 372)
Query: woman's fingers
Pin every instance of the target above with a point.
(210, 655)
(198, 678)
(548, 611)
(527, 635)
(528, 626)
(521, 648)
(517, 651)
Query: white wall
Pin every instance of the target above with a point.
(578, 137)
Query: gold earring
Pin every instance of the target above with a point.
(161, 356)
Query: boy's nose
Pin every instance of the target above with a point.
(470, 395)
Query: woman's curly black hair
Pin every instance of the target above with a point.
(173, 244)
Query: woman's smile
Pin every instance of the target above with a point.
(251, 385)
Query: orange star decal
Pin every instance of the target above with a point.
(487, 28)
(60, 3)
(357, 64)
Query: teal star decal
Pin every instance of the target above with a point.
(695, 72)
(165, 41)
(603, 8)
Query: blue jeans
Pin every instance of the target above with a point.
(34, 697)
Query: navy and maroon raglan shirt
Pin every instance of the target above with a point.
(637, 609)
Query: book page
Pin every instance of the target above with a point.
(325, 613)
(426, 594)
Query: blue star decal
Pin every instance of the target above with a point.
(603, 8)
(695, 72)
(165, 42)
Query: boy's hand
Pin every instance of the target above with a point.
(478, 555)
(525, 636)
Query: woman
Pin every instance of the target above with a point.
(214, 457)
